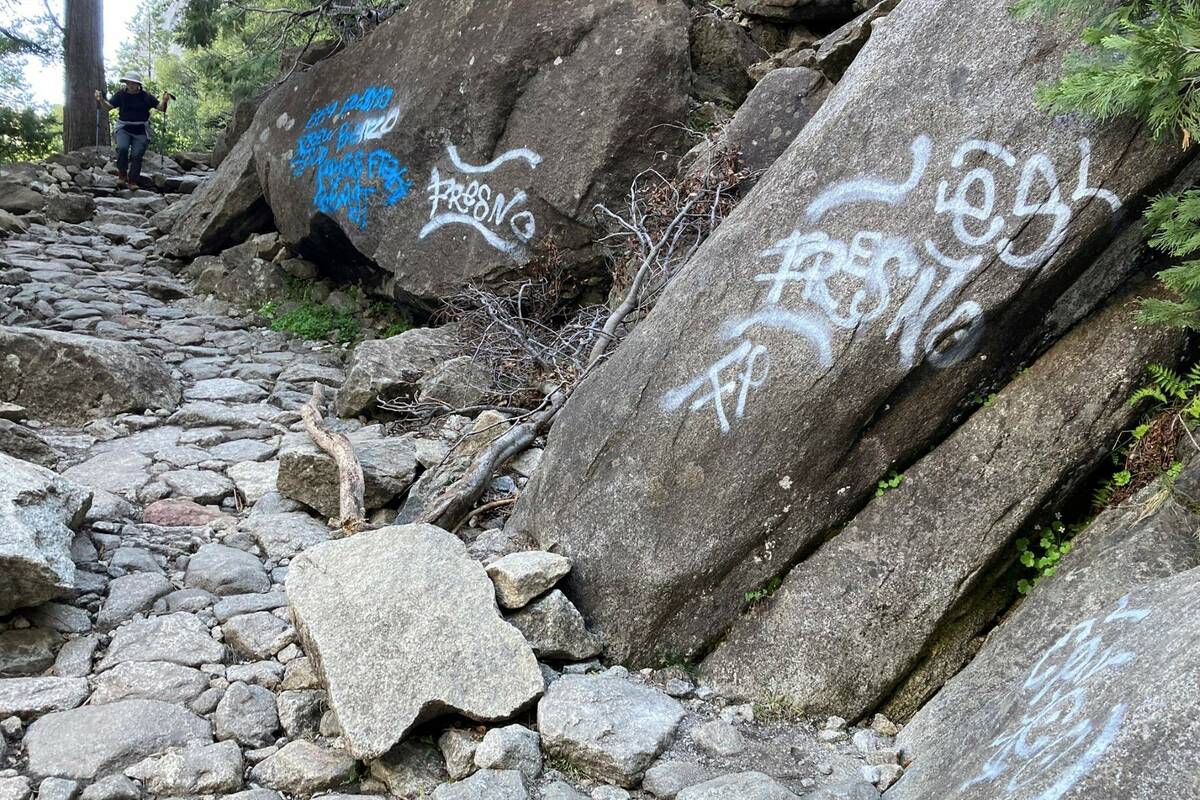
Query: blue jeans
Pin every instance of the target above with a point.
(130, 149)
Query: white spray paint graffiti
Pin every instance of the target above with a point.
(821, 284)
(1058, 738)
(475, 204)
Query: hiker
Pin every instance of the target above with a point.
(133, 125)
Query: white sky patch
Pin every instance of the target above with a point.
(46, 80)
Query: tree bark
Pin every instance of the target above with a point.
(84, 66)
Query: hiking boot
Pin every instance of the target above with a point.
(122, 180)
(135, 172)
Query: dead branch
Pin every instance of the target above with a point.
(351, 487)
(459, 498)
(527, 339)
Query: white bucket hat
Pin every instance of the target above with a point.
(132, 77)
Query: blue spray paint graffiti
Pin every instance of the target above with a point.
(348, 176)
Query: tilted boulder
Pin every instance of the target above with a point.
(224, 211)
(854, 618)
(1123, 549)
(1104, 707)
(446, 144)
(71, 379)
(403, 626)
(39, 513)
(893, 260)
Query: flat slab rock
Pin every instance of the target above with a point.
(404, 626)
(606, 726)
(88, 742)
(175, 638)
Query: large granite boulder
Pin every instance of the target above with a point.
(898, 255)
(71, 379)
(39, 514)
(1104, 707)
(403, 626)
(224, 211)
(854, 618)
(442, 147)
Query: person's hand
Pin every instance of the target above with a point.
(168, 96)
(97, 93)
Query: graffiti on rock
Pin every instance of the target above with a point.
(460, 199)
(817, 284)
(349, 174)
(1059, 736)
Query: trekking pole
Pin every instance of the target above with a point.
(166, 127)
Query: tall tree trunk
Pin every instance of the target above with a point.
(84, 58)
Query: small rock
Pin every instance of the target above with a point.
(743, 786)
(410, 769)
(458, 751)
(555, 629)
(609, 793)
(511, 747)
(609, 728)
(719, 738)
(114, 787)
(884, 726)
(130, 595)
(149, 680)
(176, 638)
(247, 714)
(196, 769)
(259, 635)
(94, 740)
(225, 570)
(668, 778)
(15, 788)
(520, 577)
(737, 714)
(300, 712)
(58, 789)
(487, 784)
(32, 697)
(26, 652)
(561, 790)
(303, 768)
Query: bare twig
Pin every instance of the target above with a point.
(458, 499)
(351, 487)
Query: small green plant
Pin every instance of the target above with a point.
(891, 481)
(1042, 554)
(312, 320)
(777, 709)
(769, 588)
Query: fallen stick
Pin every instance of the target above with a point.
(351, 506)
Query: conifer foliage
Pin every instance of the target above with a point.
(1142, 58)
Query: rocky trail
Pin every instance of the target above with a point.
(174, 668)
